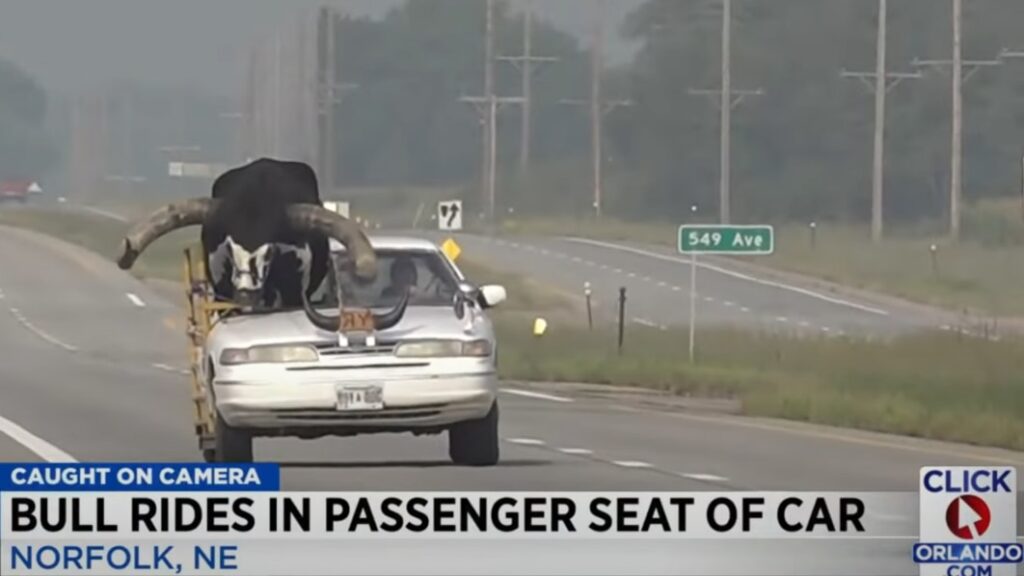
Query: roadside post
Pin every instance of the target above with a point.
(622, 316)
(726, 240)
(590, 311)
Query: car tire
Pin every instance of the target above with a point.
(475, 442)
(232, 444)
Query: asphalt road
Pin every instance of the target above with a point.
(658, 282)
(90, 370)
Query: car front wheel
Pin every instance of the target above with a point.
(475, 442)
(232, 444)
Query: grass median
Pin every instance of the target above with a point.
(935, 385)
(982, 273)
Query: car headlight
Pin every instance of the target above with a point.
(268, 354)
(443, 349)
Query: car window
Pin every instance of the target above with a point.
(430, 277)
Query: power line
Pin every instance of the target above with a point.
(525, 63)
(959, 79)
(599, 107)
(727, 100)
(879, 83)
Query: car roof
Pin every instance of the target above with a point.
(393, 243)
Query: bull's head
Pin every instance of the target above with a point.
(251, 258)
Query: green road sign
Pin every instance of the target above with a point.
(726, 239)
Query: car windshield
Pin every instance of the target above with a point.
(431, 279)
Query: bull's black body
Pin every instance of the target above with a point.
(252, 201)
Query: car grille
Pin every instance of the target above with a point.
(331, 350)
(327, 414)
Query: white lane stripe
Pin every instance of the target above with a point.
(632, 464)
(805, 323)
(538, 395)
(644, 322)
(135, 300)
(104, 213)
(617, 270)
(709, 299)
(744, 309)
(705, 477)
(632, 274)
(37, 445)
(577, 259)
(826, 329)
(2, 295)
(662, 284)
(576, 451)
(738, 275)
(676, 288)
(781, 319)
(728, 304)
(525, 441)
(38, 332)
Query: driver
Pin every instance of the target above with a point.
(403, 278)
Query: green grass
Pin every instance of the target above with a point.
(934, 385)
(982, 273)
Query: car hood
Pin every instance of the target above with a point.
(293, 327)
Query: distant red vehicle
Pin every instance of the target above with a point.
(17, 190)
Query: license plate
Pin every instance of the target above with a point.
(360, 398)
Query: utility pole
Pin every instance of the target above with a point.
(879, 83)
(960, 77)
(727, 100)
(525, 64)
(486, 150)
(599, 106)
(330, 79)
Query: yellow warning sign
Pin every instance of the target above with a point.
(451, 249)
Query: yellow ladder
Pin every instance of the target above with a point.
(201, 310)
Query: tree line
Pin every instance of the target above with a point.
(800, 150)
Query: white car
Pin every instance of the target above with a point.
(276, 374)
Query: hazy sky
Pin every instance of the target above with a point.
(70, 43)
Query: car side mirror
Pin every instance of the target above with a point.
(491, 295)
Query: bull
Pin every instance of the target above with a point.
(265, 237)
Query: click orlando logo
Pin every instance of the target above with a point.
(968, 517)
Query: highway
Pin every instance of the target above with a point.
(91, 364)
(657, 283)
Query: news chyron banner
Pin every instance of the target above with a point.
(236, 519)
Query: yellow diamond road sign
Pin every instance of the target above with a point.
(451, 249)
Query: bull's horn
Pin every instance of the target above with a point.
(305, 217)
(383, 321)
(167, 219)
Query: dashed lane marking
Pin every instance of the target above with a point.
(632, 464)
(737, 275)
(662, 284)
(728, 304)
(676, 288)
(645, 322)
(135, 300)
(576, 451)
(709, 299)
(632, 275)
(537, 395)
(782, 319)
(805, 324)
(704, 477)
(744, 309)
(525, 441)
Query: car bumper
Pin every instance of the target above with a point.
(310, 408)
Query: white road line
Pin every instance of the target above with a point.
(662, 284)
(2, 295)
(728, 304)
(544, 251)
(738, 275)
(513, 244)
(577, 259)
(604, 266)
(676, 288)
(589, 263)
(576, 451)
(538, 395)
(104, 213)
(945, 327)
(704, 477)
(744, 309)
(709, 299)
(826, 329)
(781, 319)
(37, 445)
(525, 441)
(644, 322)
(135, 300)
(617, 270)
(805, 323)
(632, 464)
(632, 274)
(38, 332)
